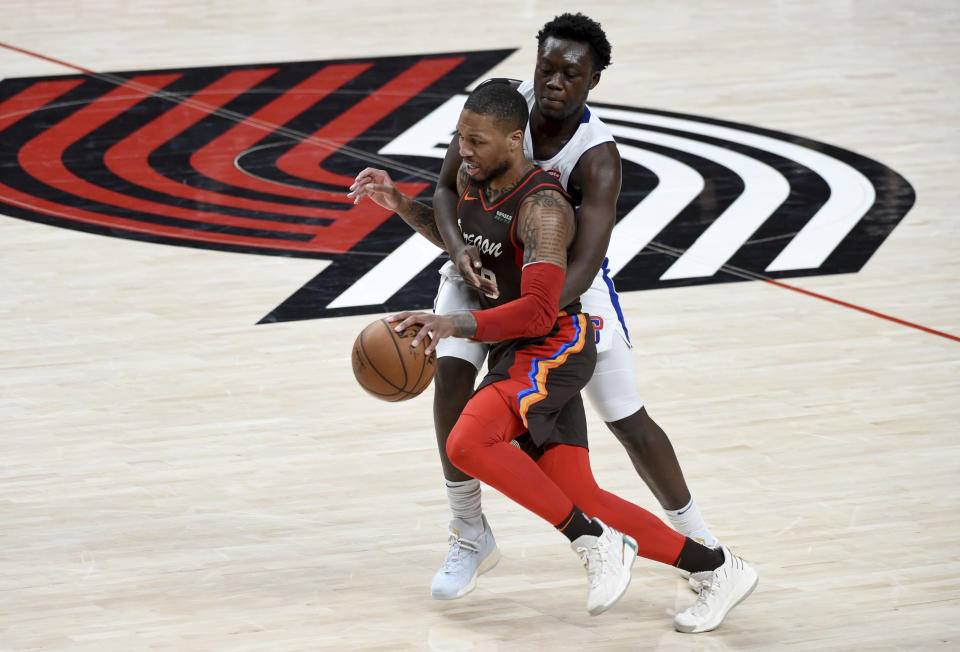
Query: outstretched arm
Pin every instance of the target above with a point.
(379, 187)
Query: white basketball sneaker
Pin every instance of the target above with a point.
(723, 589)
(466, 560)
(608, 559)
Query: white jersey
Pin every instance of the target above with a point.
(590, 133)
(600, 300)
(613, 388)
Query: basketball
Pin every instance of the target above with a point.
(387, 367)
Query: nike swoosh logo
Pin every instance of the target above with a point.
(468, 197)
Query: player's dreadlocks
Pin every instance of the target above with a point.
(582, 29)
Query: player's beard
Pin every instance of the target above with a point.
(494, 174)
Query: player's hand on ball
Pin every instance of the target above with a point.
(386, 367)
(435, 326)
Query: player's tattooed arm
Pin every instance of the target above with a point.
(545, 227)
(464, 323)
(420, 218)
(437, 327)
(377, 185)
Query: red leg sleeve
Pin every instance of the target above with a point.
(479, 445)
(569, 466)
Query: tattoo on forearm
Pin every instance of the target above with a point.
(465, 324)
(545, 227)
(420, 217)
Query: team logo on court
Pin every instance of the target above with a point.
(257, 159)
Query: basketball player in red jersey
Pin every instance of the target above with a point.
(522, 224)
(565, 138)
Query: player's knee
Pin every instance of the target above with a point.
(612, 399)
(464, 443)
(453, 386)
(638, 433)
(454, 380)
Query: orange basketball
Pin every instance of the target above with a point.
(387, 367)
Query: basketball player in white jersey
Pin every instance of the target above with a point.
(564, 138)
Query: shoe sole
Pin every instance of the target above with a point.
(486, 565)
(630, 549)
(695, 629)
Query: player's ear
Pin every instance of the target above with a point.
(594, 80)
(516, 140)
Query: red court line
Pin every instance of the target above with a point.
(45, 58)
(861, 309)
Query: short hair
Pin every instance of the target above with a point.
(582, 29)
(501, 101)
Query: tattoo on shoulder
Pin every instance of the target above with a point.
(545, 227)
(548, 199)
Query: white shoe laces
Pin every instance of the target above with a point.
(593, 561)
(456, 544)
(707, 595)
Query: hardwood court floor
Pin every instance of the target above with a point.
(176, 477)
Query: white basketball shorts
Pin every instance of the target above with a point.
(613, 388)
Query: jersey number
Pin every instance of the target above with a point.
(490, 276)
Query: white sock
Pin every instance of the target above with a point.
(464, 499)
(689, 522)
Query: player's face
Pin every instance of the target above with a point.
(563, 78)
(484, 147)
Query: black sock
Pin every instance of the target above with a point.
(577, 524)
(695, 557)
